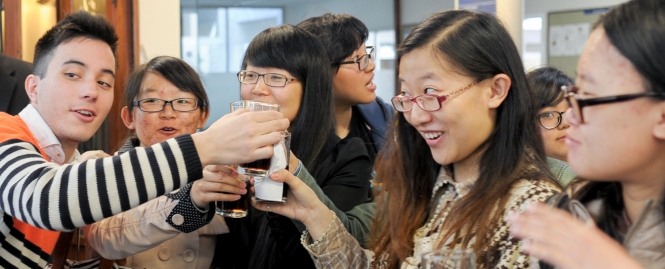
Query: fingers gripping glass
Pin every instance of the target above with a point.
(271, 79)
(428, 102)
(550, 119)
(363, 61)
(577, 104)
(156, 105)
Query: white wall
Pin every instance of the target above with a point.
(416, 11)
(159, 28)
(36, 19)
(534, 8)
(222, 89)
(376, 14)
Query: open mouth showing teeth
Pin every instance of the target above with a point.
(369, 83)
(168, 129)
(433, 135)
(85, 113)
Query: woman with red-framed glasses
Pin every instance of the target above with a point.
(616, 143)
(464, 151)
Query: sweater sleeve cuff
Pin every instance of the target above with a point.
(298, 168)
(185, 216)
(191, 157)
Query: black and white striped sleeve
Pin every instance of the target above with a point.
(54, 197)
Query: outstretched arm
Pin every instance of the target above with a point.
(357, 221)
(54, 197)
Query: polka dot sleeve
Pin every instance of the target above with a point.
(185, 216)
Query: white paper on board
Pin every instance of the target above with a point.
(557, 41)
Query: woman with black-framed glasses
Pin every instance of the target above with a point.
(616, 144)
(286, 65)
(164, 98)
(545, 82)
(359, 112)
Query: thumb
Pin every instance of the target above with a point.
(285, 176)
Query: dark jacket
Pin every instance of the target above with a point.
(377, 115)
(13, 73)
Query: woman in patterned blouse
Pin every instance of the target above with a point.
(466, 102)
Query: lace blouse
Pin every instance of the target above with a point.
(338, 249)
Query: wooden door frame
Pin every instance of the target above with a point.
(13, 28)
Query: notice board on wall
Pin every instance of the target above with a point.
(567, 32)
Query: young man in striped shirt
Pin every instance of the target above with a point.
(71, 92)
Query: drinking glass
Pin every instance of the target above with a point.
(267, 190)
(258, 168)
(449, 259)
(238, 208)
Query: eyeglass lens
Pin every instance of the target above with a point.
(155, 105)
(550, 119)
(271, 79)
(426, 102)
(363, 62)
(569, 94)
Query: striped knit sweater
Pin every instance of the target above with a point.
(38, 196)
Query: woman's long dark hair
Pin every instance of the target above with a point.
(312, 139)
(340, 34)
(299, 53)
(476, 45)
(636, 28)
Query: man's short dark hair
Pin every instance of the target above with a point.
(79, 24)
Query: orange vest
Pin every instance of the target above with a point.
(13, 127)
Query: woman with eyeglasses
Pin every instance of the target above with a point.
(465, 151)
(165, 98)
(288, 66)
(546, 83)
(616, 143)
(358, 111)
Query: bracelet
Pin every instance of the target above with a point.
(201, 210)
(305, 234)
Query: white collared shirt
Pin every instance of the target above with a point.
(45, 136)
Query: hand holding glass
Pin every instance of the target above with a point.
(258, 168)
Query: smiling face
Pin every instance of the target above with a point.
(352, 86)
(156, 127)
(75, 94)
(555, 139)
(287, 97)
(465, 121)
(616, 141)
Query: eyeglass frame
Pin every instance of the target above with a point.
(571, 96)
(440, 98)
(371, 55)
(557, 124)
(288, 79)
(199, 103)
